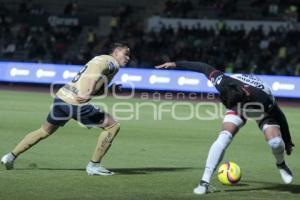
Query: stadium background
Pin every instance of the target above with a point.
(39, 40)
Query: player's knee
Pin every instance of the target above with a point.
(108, 121)
(230, 127)
(276, 143)
(48, 128)
(114, 128)
(44, 133)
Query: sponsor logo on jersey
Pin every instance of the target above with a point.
(217, 80)
(111, 67)
(251, 80)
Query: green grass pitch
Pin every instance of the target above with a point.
(153, 159)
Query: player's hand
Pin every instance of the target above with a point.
(166, 65)
(289, 148)
(83, 99)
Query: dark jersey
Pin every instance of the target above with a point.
(234, 89)
(243, 89)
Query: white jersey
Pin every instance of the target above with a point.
(253, 81)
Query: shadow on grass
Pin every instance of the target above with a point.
(49, 169)
(119, 171)
(148, 170)
(292, 188)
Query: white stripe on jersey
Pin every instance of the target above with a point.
(253, 81)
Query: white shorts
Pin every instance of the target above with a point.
(233, 117)
(265, 126)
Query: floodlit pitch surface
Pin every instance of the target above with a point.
(153, 159)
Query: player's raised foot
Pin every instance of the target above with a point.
(8, 161)
(96, 169)
(285, 173)
(203, 188)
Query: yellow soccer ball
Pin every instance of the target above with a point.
(229, 173)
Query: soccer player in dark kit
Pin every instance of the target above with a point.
(244, 96)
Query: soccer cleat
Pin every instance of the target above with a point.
(97, 169)
(285, 173)
(204, 188)
(8, 161)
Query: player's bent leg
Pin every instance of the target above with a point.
(34, 137)
(231, 125)
(273, 138)
(110, 131)
(214, 157)
(27, 142)
(111, 128)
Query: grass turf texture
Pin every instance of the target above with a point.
(153, 159)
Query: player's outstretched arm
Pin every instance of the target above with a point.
(167, 65)
(200, 67)
(83, 98)
(196, 66)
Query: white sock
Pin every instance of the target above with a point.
(215, 154)
(277, 146)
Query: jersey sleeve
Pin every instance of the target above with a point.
(201, 67)
(96, 68)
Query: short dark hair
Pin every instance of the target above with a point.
(116, 45)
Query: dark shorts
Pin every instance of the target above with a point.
(267, 120)
(88, 114)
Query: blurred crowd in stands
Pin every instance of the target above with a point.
(232, 50)
(232, 9)
(229, 49)
(35, 43)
